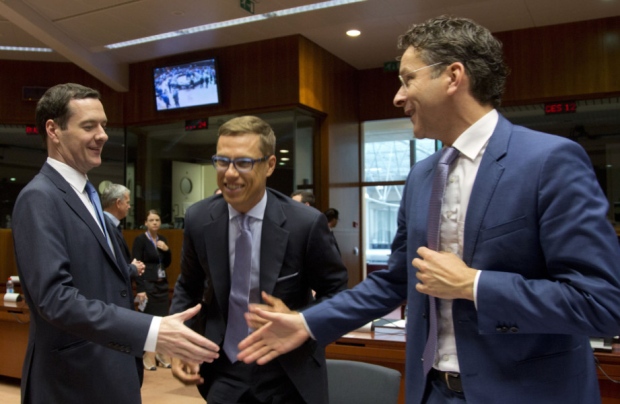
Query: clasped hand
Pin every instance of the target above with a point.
(443, 275)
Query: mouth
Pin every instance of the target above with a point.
(234, 187)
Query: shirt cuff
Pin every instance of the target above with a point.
(478, 272)
(151, 339)
(303, 319)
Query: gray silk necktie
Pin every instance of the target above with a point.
(448, 155)
(237, 328)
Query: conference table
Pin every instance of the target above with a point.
(386, 347)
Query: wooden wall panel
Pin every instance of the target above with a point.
(253, 76)
(567, 61)
(15, 74)
(576, 61)
(377, 90)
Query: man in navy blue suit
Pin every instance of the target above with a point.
(86, 340)
(527, 267)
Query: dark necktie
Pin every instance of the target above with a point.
(94, 199)
(237, 328)
(448, 155)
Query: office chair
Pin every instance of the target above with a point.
(361, 383)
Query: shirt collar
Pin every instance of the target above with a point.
(113, 218)
(75, 178)
(257, 212)
(473, 140)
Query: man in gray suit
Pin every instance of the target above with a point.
(291, 255)
(86, 340)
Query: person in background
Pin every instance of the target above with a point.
(524, 266)
(85, 337)
(115, 201)
(152, 287)
(332, 216)
(248, 240)
(303, 196)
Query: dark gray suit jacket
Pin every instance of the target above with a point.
(85, 335)
(296, 257)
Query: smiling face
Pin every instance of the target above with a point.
(80, 143)
(422, 95)
(243, 190)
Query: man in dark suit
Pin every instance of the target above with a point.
(528, 262)
(291, 255)
(86, 341)
(115, 200)
(333, 216)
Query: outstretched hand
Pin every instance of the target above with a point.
(187, 373)
(281, 334)
(272, 304)
(178, 341)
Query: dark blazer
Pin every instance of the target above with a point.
(296, 257)
(536, 226)
(120, 240)
(85, 337)
(144, 250)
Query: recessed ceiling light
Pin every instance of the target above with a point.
(283, 151)
(353, 32)
(24, 49)
(284, 159)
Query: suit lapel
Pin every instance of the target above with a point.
(77, 206)
(273, 244)
(216, 247)
(489, 174)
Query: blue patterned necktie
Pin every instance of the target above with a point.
(448, 155)
(237, 328)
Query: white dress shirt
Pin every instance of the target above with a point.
(471, 144)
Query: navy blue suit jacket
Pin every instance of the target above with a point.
(536, 226)
(85, 336)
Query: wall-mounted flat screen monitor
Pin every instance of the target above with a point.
(186, 85)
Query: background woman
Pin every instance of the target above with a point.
(152, 249)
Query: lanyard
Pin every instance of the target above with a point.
(148, 235)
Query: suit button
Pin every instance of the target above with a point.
(502, 329)
(514, 329)
(123, 293)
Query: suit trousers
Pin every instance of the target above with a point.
(240, 383)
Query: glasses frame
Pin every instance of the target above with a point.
(215, 158)
(403, 83)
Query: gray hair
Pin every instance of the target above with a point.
(113, 193)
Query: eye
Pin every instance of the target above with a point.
(243, 163)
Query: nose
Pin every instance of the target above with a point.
(102, 135)
(400, 97)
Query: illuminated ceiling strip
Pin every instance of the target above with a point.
(24, 49)
(230, 23)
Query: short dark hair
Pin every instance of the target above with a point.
(54, 105)
(448, 39)
(331, 214)
(306, 196)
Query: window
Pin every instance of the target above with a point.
(389, 152)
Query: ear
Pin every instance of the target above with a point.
(52, 130)
(271, 165)
(457, 77)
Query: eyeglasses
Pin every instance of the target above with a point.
(241, 164)
(404, 80)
